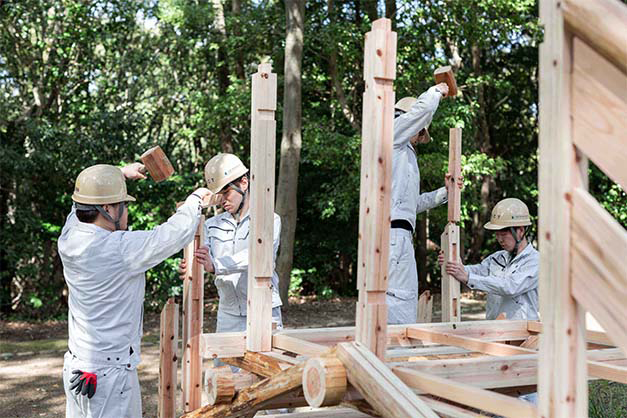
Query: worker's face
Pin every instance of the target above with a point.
(506, 240)
(231, 198)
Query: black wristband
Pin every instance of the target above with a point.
(197, 195)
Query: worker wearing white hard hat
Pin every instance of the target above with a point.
(509, 276)
(411, 120)
(225, 252)
(104, 266)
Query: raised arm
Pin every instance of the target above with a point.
(408, 125)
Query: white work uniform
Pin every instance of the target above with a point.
(511, 285)
(104, 271)
(407, 202)
(228, 246)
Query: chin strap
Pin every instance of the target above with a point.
(244, 197)
(104, 213)
(514, 252)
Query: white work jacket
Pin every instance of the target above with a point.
(512, 286)
(104, 272)
(228, 246)
(407, 201)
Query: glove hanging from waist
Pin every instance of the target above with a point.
(83, 383)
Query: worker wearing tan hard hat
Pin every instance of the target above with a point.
(411, 119)
(509, 276)
(104, 267)
(225, 252)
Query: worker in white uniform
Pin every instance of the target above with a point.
(104, 266)
(509, 276)
(225, 252)
(411, 120)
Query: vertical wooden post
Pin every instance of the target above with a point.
(376, 186)
(262, 156)
(562, 382)
(450, 238)
(168, 356)
(193, 300)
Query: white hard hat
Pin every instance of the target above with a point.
(507, 213)
(222, 170)
(405, 104)
(101, 184)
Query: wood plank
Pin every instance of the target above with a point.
(448, 410)
(455, 169)
(562, 384)
(465, 394)
(168, 357)
(425, 307)
(261, 240)
(378, 384)
(451, 288)
(600, 112)
(297, 345)
(472, 344)
(608, 371)
(327, 412)
(376, 185)
(258, 363)
(599, 22)
(596, 337)
(599, 269)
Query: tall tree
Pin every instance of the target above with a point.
(291, 140)
(226, 140)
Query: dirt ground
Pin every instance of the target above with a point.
(31, 354)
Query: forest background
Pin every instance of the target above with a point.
(86, 82)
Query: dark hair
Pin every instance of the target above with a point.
(87, 216)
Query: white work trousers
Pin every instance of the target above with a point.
(117, 391)
(402, 293)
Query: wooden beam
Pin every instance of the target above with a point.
(599, 269)
(600, 111)
(448, 410)
(297, 345)
(376, 186)
(472, 344)
(455, 169)
(261, 240)
(168, 356)
(425, 307)
(599, 22)
(258, 363)
(465, 394)
(596, 337)
(324, 381)
(608, 371)
(451, 288)
(378, 385)
(562, 383)
(193, 301)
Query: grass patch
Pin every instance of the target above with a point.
(35, 345)
(607, 399)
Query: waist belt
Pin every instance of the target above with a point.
(109, 357)
(403, 224)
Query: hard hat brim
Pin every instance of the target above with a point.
(494, 227)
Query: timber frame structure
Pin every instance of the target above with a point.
(454, 369)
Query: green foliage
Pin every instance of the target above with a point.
(607, 399)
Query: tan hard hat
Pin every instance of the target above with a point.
(101, 184)
(508, 212)
(222, 170)
(405, 104)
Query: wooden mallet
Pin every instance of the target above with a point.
(157, 164)
(445, 75)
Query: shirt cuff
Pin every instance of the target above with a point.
(441, 196)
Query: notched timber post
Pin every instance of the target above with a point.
(168, 356)
(375, 186)
(450, 239)
(262, 156)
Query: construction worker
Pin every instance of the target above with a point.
(225, 252)
(411, 120)
(104, 266)
(509, 276)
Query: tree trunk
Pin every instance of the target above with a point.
(371, 9)
(483, 140)
(236, 8)
(226, 140)
(290, 141)
(390, 11)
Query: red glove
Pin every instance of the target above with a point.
(84, 383)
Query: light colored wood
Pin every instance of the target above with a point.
(448, 410)
(492, 348)
(261, 239)
(425, 307)
(258, 363)
(600, 112)
(296, 345)
(168, 356)
(324, 413)
(465, 394)
(532, 342)
(599, 268)
(375, 186)
(451, 288)
(193, 301)
(455, 169)
(445, 75)
(601, 23)
(608, 371)
(222, 345)
(562, 384)
(378, 385)
(253, 398)
(218, 385)
(324, 381)
(596, 337)
(157, 164)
